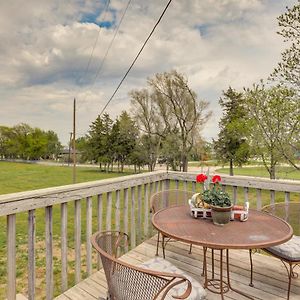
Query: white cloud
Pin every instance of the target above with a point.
(46, 46)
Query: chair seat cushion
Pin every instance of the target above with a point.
(289, 250)
(162, 265)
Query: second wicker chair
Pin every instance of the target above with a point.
(167, 198)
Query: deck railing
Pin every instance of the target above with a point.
(120, 204)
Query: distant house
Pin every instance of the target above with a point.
(66, 155)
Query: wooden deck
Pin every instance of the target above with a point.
(270, 277)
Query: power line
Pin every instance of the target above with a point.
(129, 69)
(109, 46)
(95, 43)
(111, 42)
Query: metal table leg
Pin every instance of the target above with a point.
(219, 286)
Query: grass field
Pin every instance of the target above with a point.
(281, 172)
(18, 177)
(15, 177)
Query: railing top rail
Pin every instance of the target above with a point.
(24, 201)
(245, 181)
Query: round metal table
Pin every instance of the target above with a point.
(260, 231)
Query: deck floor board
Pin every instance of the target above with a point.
(270, 277)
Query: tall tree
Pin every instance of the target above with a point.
(170, 107)
(179, 109)
(5, 137)
(127, 138)
(54, 146)
(275, 122)
(145, 114)
(232, 145)
(99, 148)
(288, 70)
(23, 141)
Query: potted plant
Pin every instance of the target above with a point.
(219, 202)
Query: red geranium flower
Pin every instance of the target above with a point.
(216, 179)
(201, 177)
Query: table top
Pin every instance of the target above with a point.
(260, 231)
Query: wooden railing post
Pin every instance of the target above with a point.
(234, 195)
(108, 210)
(132, 220)
(139, 219)
(49, 253)
(118, 211)
(89, 215)
(11, 257)
(31, 254)
(258, 199)
(146, 210)
(99, 224)
(272, 195)
(126, 213)
(64, 246)
(246, 194)
(77, 239)
(194, 186)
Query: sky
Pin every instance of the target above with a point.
(51, 52)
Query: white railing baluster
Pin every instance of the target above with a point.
(64, 246)
(108, 210)
(185, 185)
(77, 239)
(156, 186)
(49, 253)
(132, 219)
(89, 215)
(234, 195)
(11, 257)
(272, 195)
(258, 199)
(167, 184)
(287, 197)
(139, 212)
(31, 254)
(118, 212)
(146, 210)
(194, 186)
(99, 225)
(246, 194)
(151, 192)
(126, 213)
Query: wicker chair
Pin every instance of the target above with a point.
(166, 199)
(126, 282)
(289, 252)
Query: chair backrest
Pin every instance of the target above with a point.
(127, 282)
(169, 198)
(288, 211)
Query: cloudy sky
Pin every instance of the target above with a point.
(46, 46)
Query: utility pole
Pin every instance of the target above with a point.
(70, 142)
(74, 137)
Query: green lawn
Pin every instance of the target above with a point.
(281, 172)
(18, 177)
(200, 164)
